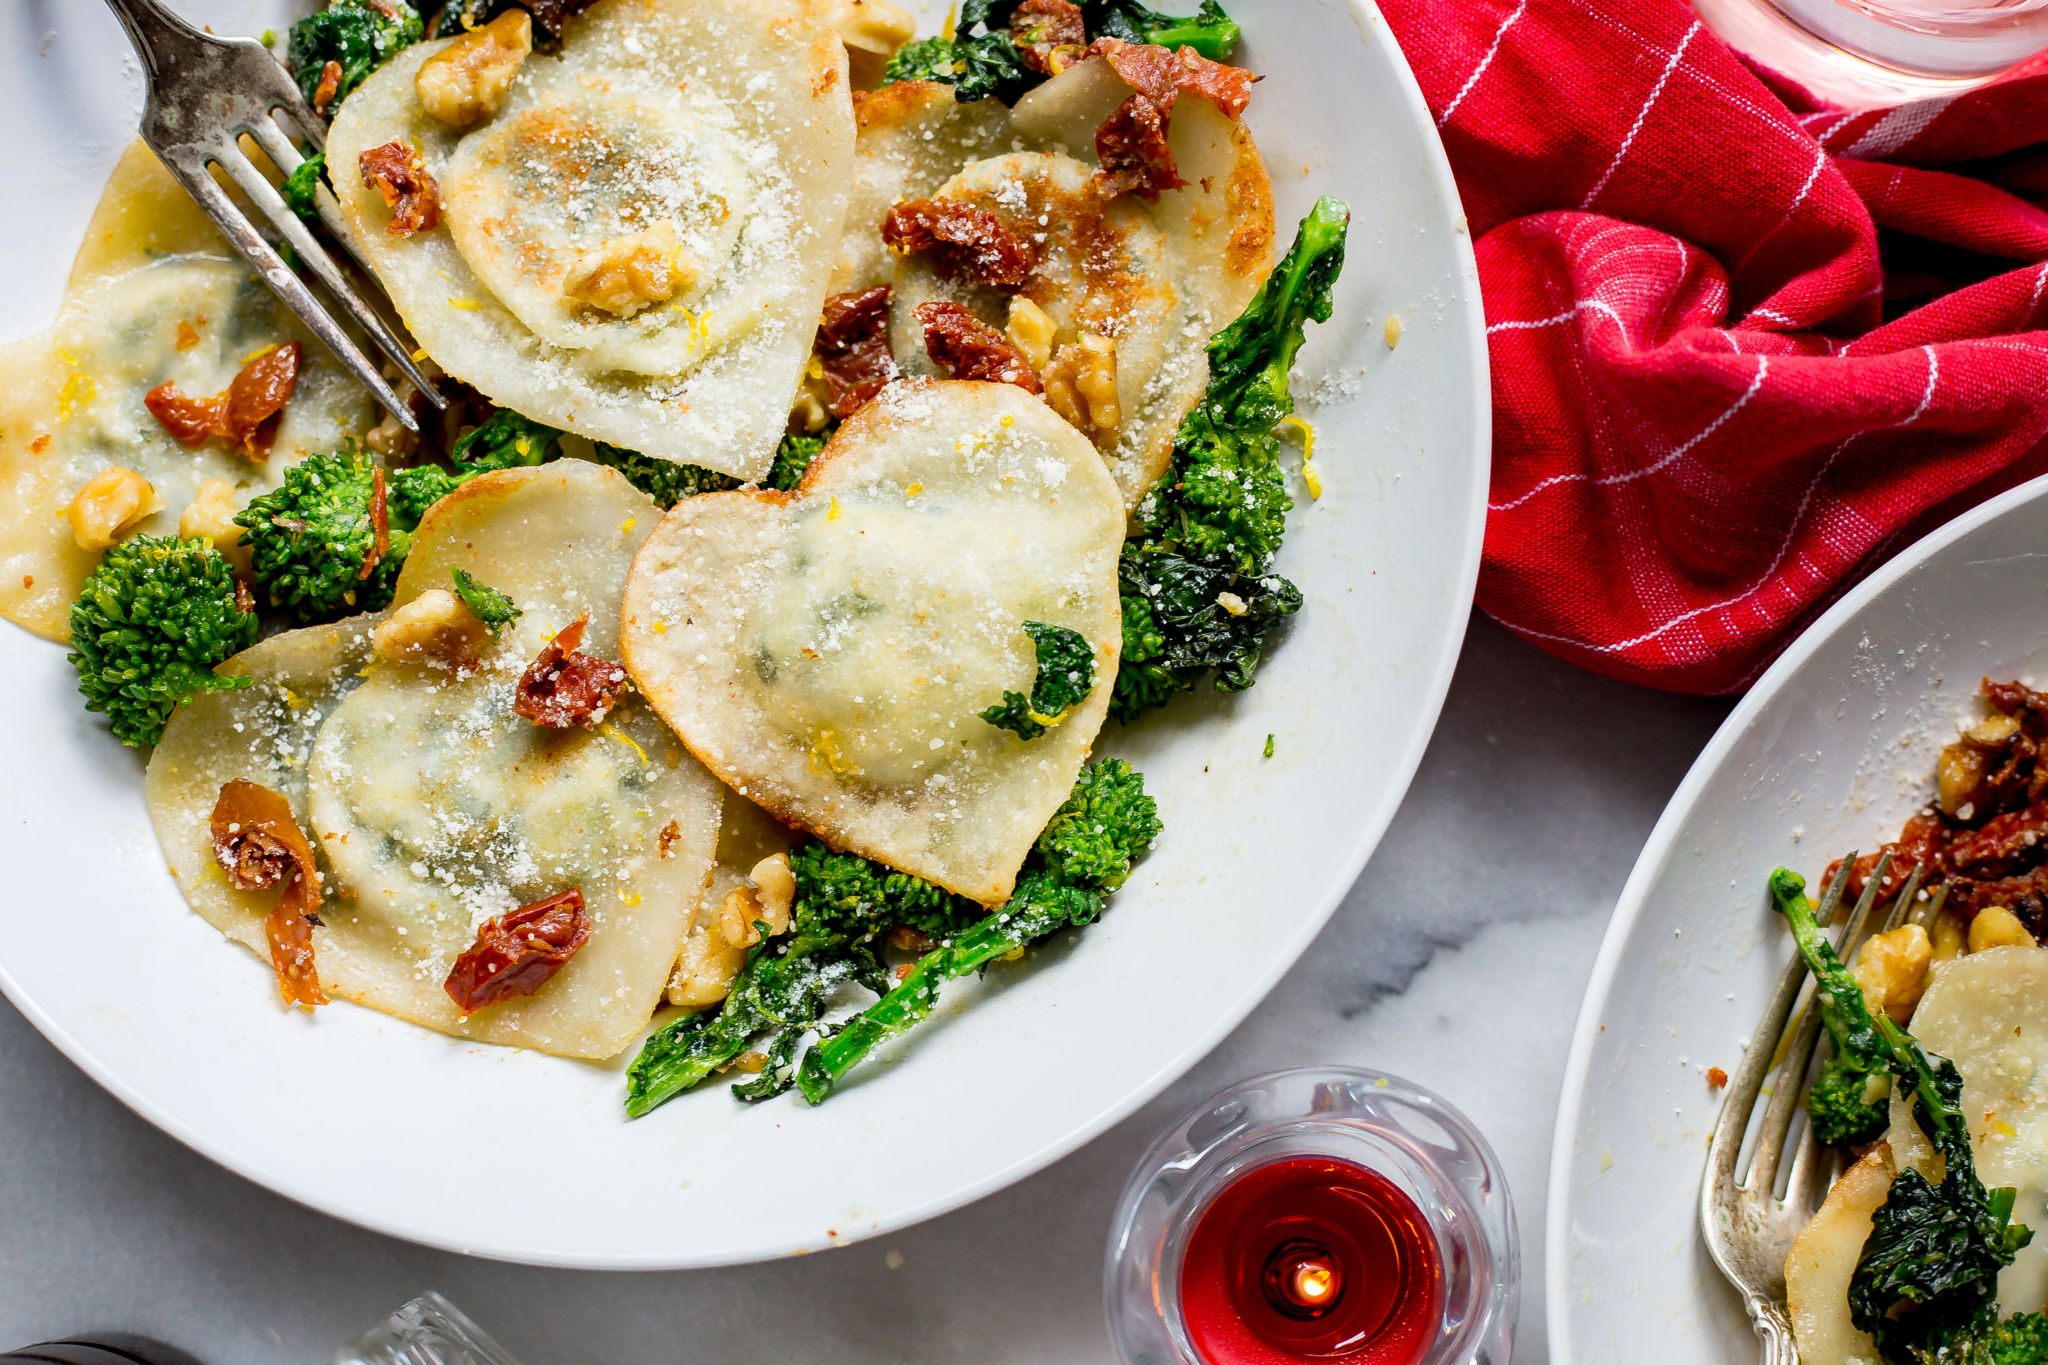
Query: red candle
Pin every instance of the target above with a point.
(1311, 1259)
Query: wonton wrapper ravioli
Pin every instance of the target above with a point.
(151, 264)
(1164, 279)
(828, 651)
(263, 734)
(438, 808)
(727, 120)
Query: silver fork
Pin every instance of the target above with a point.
(1748, 1226)
(205, 94)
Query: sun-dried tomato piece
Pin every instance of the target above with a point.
(259, 844)
(189, 420)
(518, 953)
(2003, 845)
(1131, 145)
(853, 348)
(965, 347)
(256, 399)
(965, 242)
(330, 85)
(380, 523)
(246, 414)
(1163, 76)
(398, 172)
(565, 687)
(1050, 35)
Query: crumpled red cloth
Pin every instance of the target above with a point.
(1745, 346)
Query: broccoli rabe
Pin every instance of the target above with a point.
(979, 66)
(357, 35)
(843, 903)
(1208, 31)
(1196, 592)
(2021, 1339)
(1066, 670)
(311, 538)
(1850, 1102)
(985, 60)
(1083, 854)
(149, 625)
(1928, 1272)
(503, 440)
(300, 189)
(485, 602)
(668, 483)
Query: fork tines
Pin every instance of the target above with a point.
(205, 94)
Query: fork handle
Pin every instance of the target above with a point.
(1773, 1332)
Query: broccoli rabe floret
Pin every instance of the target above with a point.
(311, 538)
(1208, 31)
(668, 483)
(1196, 592)
(149, 625)
(504, 440)
(1850, 1103)
(300, 189)
(1066, 670)
(1084, 853)
(2021, 1339)
(485, 602)
(357, 35)
(1928, 1272)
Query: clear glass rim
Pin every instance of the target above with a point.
(1349, 1113)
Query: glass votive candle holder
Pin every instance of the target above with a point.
(1326, 1215)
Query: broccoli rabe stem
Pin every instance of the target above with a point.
(1041, 906)
(1209, 531)
(1848, 1104)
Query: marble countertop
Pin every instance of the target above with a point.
(1457, 960)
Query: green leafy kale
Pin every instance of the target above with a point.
(1066, 670)
(485, 602)
(843, 903)
(1196, 592)
(668, 483)
(1209, 31)
(310, 537)
(358, 35)
(1850, 1101)
(300, 189)
(1083, 854)
(149, 625)
(1928, 1275)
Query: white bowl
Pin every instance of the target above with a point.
(420, 1136)
(1831, 750)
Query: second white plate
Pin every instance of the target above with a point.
(1830, 751)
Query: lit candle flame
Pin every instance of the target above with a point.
(1314, 1282)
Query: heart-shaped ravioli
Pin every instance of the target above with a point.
(404, 749)
(831, 652)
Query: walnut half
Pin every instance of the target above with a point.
(631, 273)
(465, 82)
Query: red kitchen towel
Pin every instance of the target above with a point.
(1744, 345)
